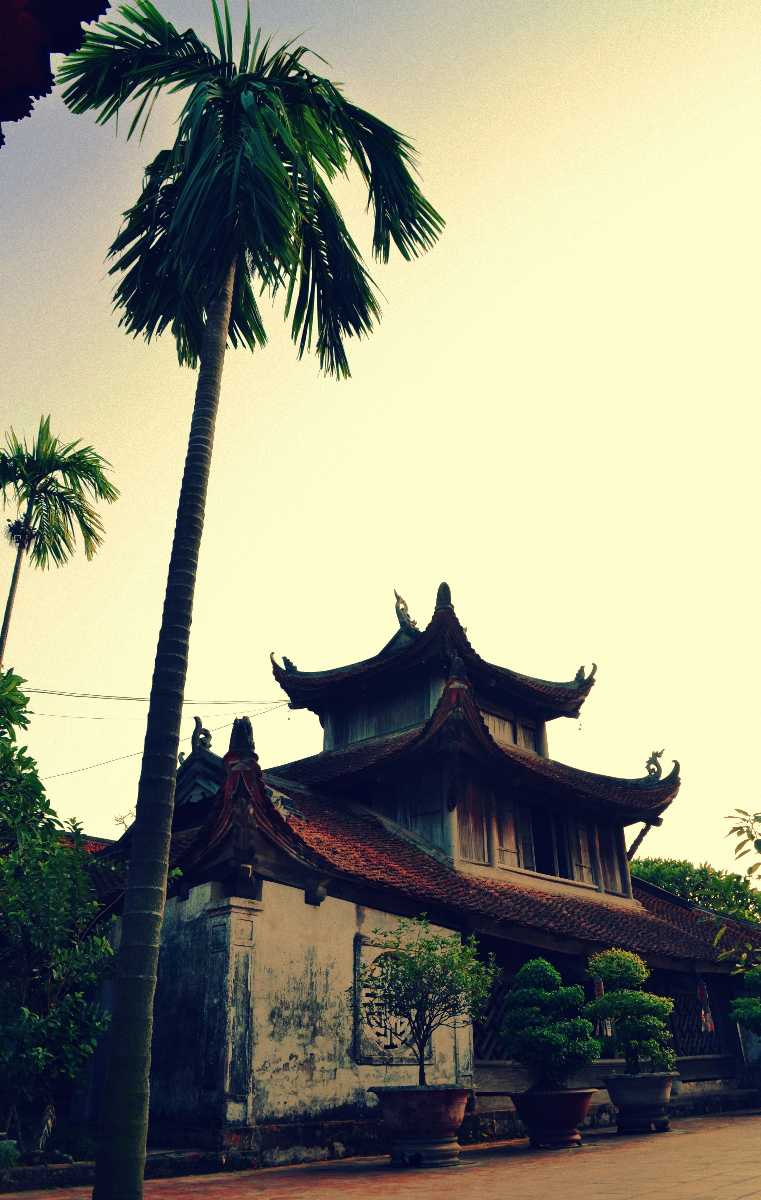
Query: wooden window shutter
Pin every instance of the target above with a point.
(471, 825)
(611, 870)
(583, 868)
(525, 838)
(507, 835)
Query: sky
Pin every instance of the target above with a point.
(558, 413)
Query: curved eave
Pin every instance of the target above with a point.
(321, 690)
(457, 723)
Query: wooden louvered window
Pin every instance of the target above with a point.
(502, 729)
(507, 836)
(527, 737)
(526, 856)
(472, 816)
(581, 850)
(608, 843)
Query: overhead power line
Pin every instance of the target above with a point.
(136, 753)
(138, 699)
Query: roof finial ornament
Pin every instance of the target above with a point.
(582, 677)
(443, 597)
(653, 764)
(242, 736)
(403, 614)
(457, 667)
(288, 666)
(200, 738)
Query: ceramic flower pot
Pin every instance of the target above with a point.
(552, 1118)
(642, 1100)
(422, 1123)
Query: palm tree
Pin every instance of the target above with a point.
(53, 485)
(238, 207)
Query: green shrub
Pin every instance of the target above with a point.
(639, 1019)
(746, 1010)
(618, 969)
(544, 1028)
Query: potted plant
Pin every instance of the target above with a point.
(545, 1030)
(640, 1034)
(425, 981)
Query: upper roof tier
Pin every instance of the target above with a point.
(412, 650)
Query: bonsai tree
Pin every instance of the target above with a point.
(427, 981)
(746, 1010)
(544, 1026)
(639, 1019)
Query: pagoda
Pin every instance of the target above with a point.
(434, 793)
(453, 749)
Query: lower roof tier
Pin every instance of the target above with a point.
(457, 725)
(253, 822)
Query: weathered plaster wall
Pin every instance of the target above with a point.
(188, 1012)
(254, 1019)
(303, 1013)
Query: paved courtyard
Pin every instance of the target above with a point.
(710, 1158)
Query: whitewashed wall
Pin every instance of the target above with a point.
(303, 1015)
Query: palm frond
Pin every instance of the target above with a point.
(334, 294)
(384, 157)
(259, 141)
(60, 514)
(133, 60)
(62, 480)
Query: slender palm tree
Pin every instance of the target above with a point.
(53, 485)
(240, 206)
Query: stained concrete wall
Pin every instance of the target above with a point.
(304, 1061)
(188, 1016)
(255, 1023)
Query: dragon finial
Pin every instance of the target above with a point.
(242, 736)
(403, 614)
(582, 677)
(200, 738)
(653, 764)
(288, 666)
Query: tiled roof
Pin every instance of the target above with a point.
(90, 844)
(343, 841)
(359, 845)
(442, 637)
(456, 711)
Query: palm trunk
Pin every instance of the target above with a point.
(20, 552)
(120, 1161)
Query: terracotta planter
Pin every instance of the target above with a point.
(423, 1123)
(552, 1118)
(642, 1101)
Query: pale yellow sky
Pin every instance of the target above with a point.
(558, 414)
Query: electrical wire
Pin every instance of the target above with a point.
(138, 699)
(33, 712)
(136, 753)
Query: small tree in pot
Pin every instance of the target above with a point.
(424, 981)
(641, 1035)
(546, 1031)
